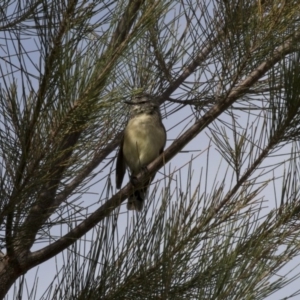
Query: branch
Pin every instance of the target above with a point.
(197, 102)
(207, 48)
(44, 254)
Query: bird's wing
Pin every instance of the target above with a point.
(120, 167)
(162, 149)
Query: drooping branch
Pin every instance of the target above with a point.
(29, 131)
(45, 205)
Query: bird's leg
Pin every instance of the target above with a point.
(133, 179)
(145, 170)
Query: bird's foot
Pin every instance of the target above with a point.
(144, 169)
(133, 179)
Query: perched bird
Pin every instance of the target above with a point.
(144, 140)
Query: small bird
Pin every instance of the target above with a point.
(144, 140)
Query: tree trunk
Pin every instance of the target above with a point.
(9, 273)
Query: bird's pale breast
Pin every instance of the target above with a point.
(144, 138)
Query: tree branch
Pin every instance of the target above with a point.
(102, 212)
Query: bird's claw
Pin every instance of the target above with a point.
(133, 179)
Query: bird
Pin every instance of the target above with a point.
(143, 141)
